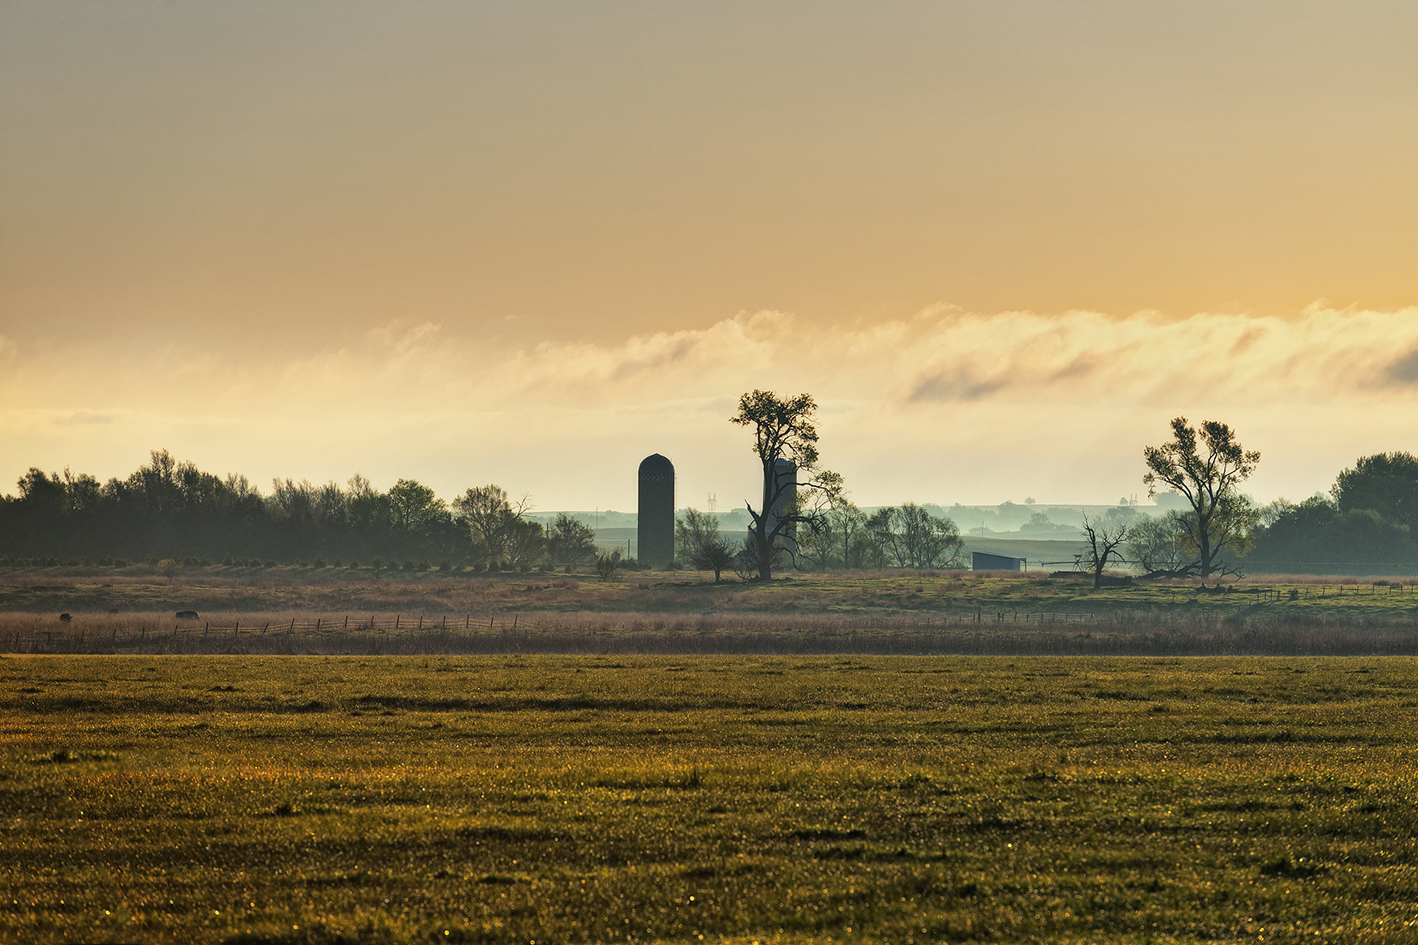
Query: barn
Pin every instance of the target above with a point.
(979, 561)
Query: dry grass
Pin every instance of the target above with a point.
(1182, 633)
(893, 612)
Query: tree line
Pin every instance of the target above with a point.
(804, 519)
(171, 509)
(1367, 523)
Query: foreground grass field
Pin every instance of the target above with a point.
(573, 799)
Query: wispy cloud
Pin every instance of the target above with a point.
(946, 404)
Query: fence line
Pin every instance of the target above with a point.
(74, 633)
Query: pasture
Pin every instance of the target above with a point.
(323, 611)
(555, 798)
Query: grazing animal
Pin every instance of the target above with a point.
(66, 617)
(187, 615)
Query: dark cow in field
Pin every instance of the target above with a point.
(65, 618)
(187, 615)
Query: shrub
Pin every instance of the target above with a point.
(354, 565)
(377, 564)
(425, 566)
(227, 561)
(273, 563)
(318, 563)
(409, 564)
(120, 562)
(445, 565)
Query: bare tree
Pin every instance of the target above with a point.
(1104, 541)
(715, 555)
(608, 563)
(698, 542)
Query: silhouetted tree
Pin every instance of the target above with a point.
(1158, 545)
(526, 544)
(608, 563)
(570, 541)
(785, 441)
(1104, 539)
(1205, 466)
(1385, 483)
(490, 518)
(699, 544)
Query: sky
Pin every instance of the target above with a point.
(1002, 243)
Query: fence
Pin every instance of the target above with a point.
(99, 633)
(370, 623)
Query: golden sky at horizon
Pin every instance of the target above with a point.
(468, 242)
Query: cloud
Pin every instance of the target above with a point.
(1404, 371)
(938, 406)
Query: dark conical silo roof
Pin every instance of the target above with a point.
(656, 466)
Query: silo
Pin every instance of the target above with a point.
(656, 527)
(786, 474)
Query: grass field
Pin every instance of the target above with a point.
(661, 799)
(881, 593)
(310, 611)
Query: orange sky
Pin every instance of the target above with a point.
(204, 205)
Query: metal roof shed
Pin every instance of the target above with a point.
(980, 561)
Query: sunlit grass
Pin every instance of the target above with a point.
(558, 798)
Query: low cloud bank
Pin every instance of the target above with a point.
(944, 406)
